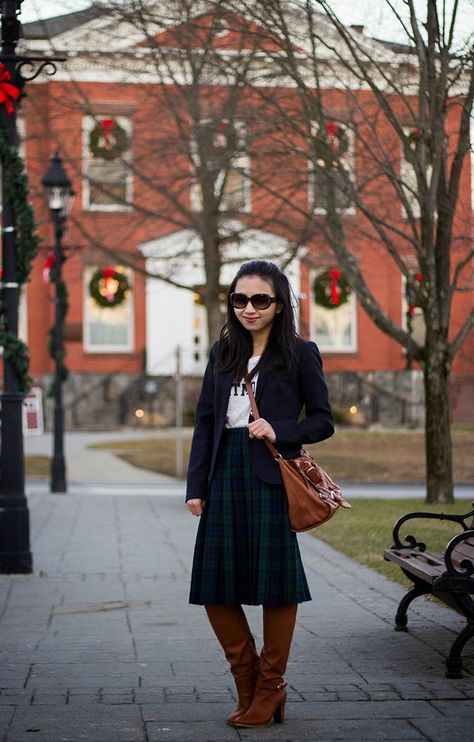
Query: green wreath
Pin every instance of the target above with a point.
(108, 140)
(98, 287)
(328, 285)
(415, 137)
(333, 145)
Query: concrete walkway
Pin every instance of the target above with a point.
(88, 465)
(100, 644)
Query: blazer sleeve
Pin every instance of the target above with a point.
(201, 447)
(318, 423)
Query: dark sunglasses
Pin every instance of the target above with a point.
(258, 301)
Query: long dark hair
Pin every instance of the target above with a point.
(235, 343)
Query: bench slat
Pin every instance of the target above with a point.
(465, 549)
(426, 566)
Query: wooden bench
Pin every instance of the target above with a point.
(448, 575)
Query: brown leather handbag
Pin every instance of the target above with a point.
(313, 497)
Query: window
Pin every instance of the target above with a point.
(107, 184)
(334, 329)
(107, 330)
(329, 154)
(222, 147)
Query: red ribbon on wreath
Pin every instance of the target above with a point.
(108, 139)
(335, 274)
(109, 283)
(333, 135)
(8, 93)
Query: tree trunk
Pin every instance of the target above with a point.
(215, 319)
(439, 460)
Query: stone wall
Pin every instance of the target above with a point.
(111, 401)
(386, 398)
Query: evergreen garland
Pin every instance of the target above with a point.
(58, 354)
(16, 350)
(27, 243)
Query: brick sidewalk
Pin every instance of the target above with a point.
(101, 645)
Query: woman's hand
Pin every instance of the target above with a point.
(195, 506)
(261, 429)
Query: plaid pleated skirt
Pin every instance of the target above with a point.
(245, 551)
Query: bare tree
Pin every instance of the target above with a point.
(198, 138)
(408, 109)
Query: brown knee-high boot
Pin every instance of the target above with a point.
(234, 635)
(270, 695)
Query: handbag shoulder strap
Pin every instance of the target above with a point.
(253, 406)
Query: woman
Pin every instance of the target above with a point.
(245, 551)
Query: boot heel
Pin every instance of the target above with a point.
(279, 715)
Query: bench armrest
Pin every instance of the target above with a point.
(410, 542)
(459, 556)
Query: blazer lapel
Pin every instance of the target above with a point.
(261, 381)
(223, 385)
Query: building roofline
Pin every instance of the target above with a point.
(50, 27)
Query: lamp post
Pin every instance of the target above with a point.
(15, 553)
(16, 70)
(60, 198)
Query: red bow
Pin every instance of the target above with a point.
(8, 93)
(335, 274)
(108, 273)
(48, 264)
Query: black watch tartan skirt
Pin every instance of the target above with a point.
(245, 551)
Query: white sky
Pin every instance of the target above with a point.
(374, 14)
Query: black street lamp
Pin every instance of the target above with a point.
(60, 197)
(16, 70)
(15, 553)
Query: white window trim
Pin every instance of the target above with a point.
(93, 349)
(353, 348)
(88, 123)
(351, 210)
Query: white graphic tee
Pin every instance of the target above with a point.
(238, 409)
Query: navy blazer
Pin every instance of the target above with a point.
(281, 396)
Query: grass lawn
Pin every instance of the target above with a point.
(350, 456)
(363, 532)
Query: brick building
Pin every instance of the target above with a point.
(106, 110)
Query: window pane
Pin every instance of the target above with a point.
(234, 192)
(335, 150)
(108, 180)
(321, 186)
(107, 328)
(333, 327)
(223, 145)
